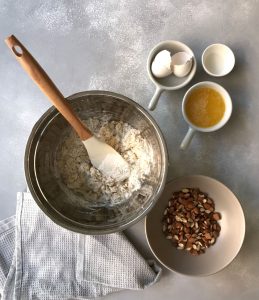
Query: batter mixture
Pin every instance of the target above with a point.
(79, 176)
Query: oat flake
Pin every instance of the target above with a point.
(79, 176)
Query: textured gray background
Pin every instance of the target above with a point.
(104, 45)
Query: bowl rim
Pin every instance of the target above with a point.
(35, 191)
(151, 57)
(241, 240)
(227, 101)
(207, 49)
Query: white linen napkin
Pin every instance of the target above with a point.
(41, 260)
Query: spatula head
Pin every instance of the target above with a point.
(106, 159)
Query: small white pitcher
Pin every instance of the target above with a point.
(169, 83)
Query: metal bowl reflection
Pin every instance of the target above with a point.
(60, 204)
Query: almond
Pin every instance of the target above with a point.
(190, 221)
(216, 216)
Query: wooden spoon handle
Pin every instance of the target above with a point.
(40, 77)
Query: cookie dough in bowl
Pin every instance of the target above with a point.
(77, 174)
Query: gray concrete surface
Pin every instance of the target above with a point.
(96, 44)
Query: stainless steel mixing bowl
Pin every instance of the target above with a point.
(60, 204)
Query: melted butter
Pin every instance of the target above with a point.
(205, 107)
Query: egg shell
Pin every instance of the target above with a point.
(161, 66)
(181, 64)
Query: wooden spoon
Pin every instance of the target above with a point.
(101, 155)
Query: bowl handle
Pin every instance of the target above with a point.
(187, 139)
(155, 98)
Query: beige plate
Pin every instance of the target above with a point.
(217, 256)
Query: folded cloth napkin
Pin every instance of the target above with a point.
(41, 260)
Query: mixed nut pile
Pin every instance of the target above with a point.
(190, 221)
